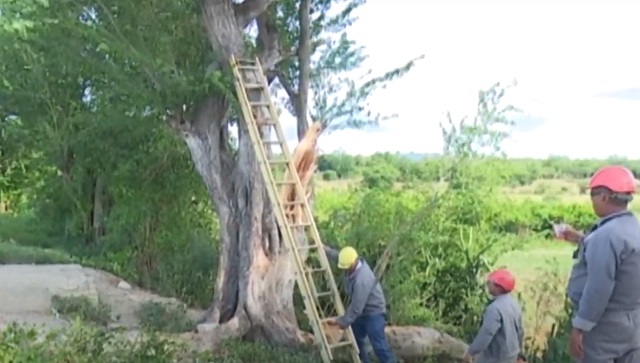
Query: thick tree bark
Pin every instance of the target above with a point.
(255, 280)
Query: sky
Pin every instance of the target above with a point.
(576, 64)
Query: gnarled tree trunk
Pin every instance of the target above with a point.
(255, 280)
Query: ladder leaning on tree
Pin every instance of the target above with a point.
(255, 101)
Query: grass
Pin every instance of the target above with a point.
(541, 271)
(83, 308)
(564, 190)
(11, 253)
(161, 317)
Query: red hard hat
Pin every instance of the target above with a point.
(503, 278)
(614, 177)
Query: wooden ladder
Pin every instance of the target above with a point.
(255, 101)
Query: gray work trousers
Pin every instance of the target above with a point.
(615, 339)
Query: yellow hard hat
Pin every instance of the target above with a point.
(347, 257)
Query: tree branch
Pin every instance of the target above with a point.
(205, 132)
(248, 10)
(287, 86)
(268, 41)
(304, 61)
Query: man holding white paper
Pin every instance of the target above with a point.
(604, 286)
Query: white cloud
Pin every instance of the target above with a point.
(562, 53)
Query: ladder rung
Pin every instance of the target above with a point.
(248, 67)
(309, 247)
(295, 225)
(285, 182)
(340, 344)
(272, 142)
(246, 61)
(297, 202)
(278, 161)
(324, 293)
(253, 86)
(314, 270)
(259, 103)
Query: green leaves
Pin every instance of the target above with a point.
(483, 134)
(338, 95)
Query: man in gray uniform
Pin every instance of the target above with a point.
(500, 338)
(604, 286)
(366, 314)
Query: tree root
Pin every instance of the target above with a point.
(210, 336)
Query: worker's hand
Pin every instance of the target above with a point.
(575, 344)
(332, 322)
(570, 234)
(467, 358)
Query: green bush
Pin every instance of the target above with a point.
(11, 253)
(86, 344)
(26, 229)
(83, 308)
(160, 317)
(329, 175)
(89, 344)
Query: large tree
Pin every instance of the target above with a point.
(151, 60)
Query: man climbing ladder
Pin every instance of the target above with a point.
(289, 201)
(367, 312)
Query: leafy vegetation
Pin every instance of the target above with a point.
(159, 317)
(82, 308)
(93, 172)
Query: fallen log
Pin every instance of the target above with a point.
(413, 343)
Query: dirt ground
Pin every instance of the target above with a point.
(26, 292)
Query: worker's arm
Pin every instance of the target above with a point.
(361, 290)
(603, 257)
(520, 328)
(332, 254)
(490, 326)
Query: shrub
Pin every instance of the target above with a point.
(160, 317)
(86, 344)
(83, 308)
(11, 253)
(329, 175)
(90, 344)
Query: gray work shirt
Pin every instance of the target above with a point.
(605, 280)
(501, 335)
(366, 293)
